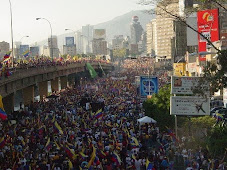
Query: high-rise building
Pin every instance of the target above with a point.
(136, 30)
(54, 43)
(166, 36)
(70, 47)
(99, 47)
(118, 42)
(87, 36)
(53, 46)
(4, 48)
(151, 38)
(16, 49)
(34, 51)
(79, 44)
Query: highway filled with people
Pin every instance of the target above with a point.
(94, 125)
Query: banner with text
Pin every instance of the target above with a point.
(189, 105)
(208, 25)
(185, 85)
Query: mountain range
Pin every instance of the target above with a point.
(117, 26)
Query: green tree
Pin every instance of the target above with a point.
(158, 108)
(217, 140)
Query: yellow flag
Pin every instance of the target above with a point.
(70, 165)
(1, 104)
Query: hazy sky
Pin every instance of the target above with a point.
(61, 13)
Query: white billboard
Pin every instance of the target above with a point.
(99, 34)
(185, 85)
(189, 105)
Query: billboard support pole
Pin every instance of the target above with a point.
(176, 124)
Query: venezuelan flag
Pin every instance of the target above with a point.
(3, 114)
(58, 128)
(96, 161)
(2, 142)
(170, 133)
(135, 142)
(101, 154)
(7, 55)
(26, 53)
(98, 114)
(69, 152)
(116, 158)
(48, 145)
(218, 116)
(149, 165)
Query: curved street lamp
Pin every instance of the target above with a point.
(23, 37)
(69, 30)
(51, 48)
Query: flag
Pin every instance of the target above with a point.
(5, 61)
(3, 114)
(116, 158)
(83, 155)
(218, 116)
(70, 164)
(70, 152)
(40, 130)
(98, 114)
(170, 133)
(2, 142)
(93, 155)
(96, 161)
(58, 128)
(91, 70)
(101, 154)
(58, 147)
(53, 119)
(149, 165)
(135, 142)
(23, 142)
(26, 53)
(1, 103)
(48, 145)
(7, 55)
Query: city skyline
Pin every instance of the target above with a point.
(72, 14)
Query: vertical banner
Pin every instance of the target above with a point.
(208, 25)
(148, 85)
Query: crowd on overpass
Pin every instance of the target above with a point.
(7, 70)
(69, 131)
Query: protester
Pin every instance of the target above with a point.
(71, 132)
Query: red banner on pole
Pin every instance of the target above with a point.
(208, 25)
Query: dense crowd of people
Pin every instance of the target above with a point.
(7, 70)
(94, 126)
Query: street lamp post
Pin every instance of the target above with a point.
(11, 25)
(23, 37)
(51, 48)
